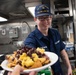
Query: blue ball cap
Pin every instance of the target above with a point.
(42, 9)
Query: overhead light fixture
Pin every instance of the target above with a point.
(32, 9)
(2, 19)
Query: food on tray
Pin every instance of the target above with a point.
(28, 58)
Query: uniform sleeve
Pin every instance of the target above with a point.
(30, 41)
(62, 45)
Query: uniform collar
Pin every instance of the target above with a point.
(51, 32)
(38, 33)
